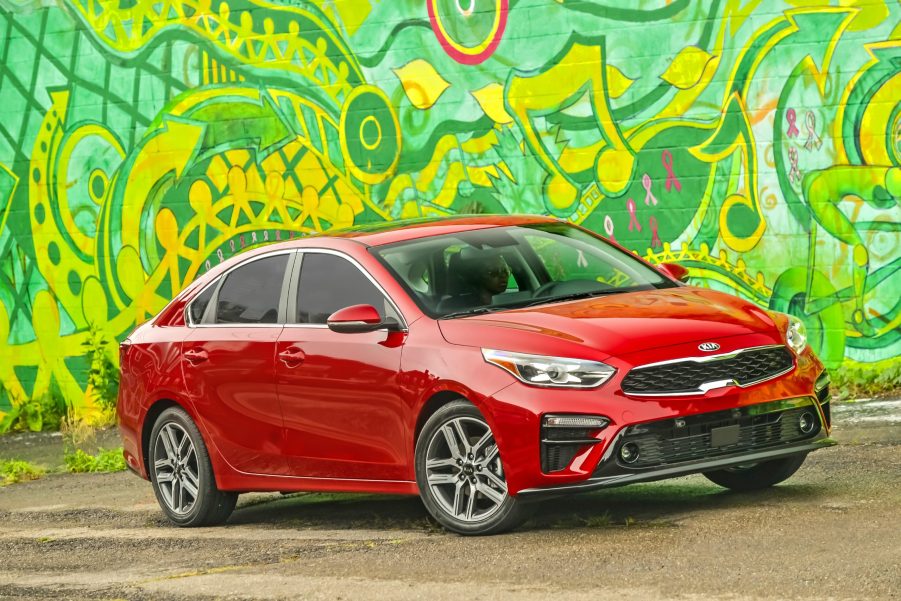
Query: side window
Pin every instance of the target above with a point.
(199, 304)
(328, 283)
(250, 293)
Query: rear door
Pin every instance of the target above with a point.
(344, 411)
(229, 363)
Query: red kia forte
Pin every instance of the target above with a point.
(482, 363)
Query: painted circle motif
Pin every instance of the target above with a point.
(469, 30)
(370, 135)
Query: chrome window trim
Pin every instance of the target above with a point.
(353, 261)
(708, 386)
(218, 282)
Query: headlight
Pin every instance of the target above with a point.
(796, 335)
(551, 371)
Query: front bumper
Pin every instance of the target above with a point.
(620, 477)
(533, 466)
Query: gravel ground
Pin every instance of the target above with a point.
(830, 532)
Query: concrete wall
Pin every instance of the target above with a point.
(757, 142)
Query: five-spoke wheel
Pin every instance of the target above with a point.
(466, 478)
(176, 468)
(181, 473)
(461, 475)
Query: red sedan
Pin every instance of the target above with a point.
(481, 363)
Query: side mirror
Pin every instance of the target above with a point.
(674, 270)
(358, 318)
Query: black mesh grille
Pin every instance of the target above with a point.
(556, 457)
(693, 438)
(687, 376)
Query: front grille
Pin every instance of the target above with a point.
(689, 376)
(709, 435)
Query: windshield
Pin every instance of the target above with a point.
(490, 269)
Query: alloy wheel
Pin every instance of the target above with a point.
(464, 471)
(175, 468)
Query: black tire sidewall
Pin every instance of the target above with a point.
(512, 512)
(211, 503)
(763, 475)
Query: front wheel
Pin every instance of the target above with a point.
(461, 476)
(182, 475)
(759, 475)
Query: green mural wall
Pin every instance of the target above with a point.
(141, 141)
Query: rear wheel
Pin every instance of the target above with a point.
(758, 475)
(182, 475)
(461, 476)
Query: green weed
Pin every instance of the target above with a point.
(14, 470)
(850, 382)
(106, 460)
(34, 415)
(103, 375)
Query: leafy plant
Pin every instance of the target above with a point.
(106, 460)
(14, 470)
(41, 413)
(854, 381)
(103, 375)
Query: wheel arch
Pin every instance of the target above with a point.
(441, 396)
(433, 404)
(153, 412)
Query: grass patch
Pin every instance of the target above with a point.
(856, 380)
(106, 460)
(13, 471)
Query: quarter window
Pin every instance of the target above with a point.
(198, 307)
(250, 293)
(329, 283)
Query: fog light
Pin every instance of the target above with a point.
(629, 452)
(807, 422)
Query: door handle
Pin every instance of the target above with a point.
(292, 356)
(195, 356)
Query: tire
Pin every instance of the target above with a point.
(477, 504)
(757, 476)
(179, 465)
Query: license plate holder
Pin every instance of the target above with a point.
(724, 436)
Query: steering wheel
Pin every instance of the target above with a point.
(562, 288)
(546, 289)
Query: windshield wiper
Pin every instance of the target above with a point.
(476, 311)
(550, 299)
(569, 297)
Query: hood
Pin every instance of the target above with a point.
(616, 325)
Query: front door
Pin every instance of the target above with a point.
(339, 392)
(229, 366)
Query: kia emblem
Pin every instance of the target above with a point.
(709, 346)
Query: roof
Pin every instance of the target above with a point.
(389, 232)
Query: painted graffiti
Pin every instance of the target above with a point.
(141, 142)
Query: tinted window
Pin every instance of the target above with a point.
(514, 266)
(250, 293)
(566, 261)
(329, 283)
(200, 303)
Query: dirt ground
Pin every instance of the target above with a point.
(833, 531)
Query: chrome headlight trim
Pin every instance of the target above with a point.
(554, 372)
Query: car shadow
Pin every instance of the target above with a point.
(652, 504)
(659, 504)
